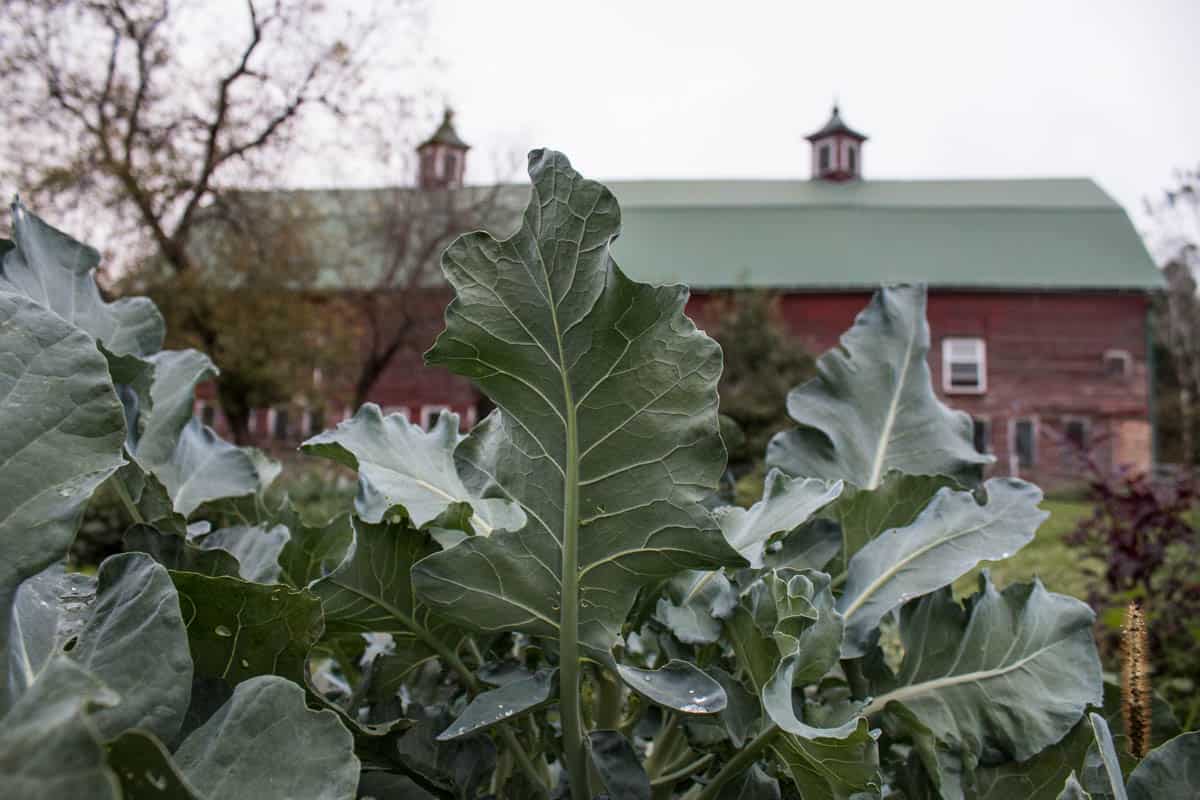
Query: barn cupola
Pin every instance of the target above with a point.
(836, 150)
(442, 158)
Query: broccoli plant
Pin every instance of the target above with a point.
(167, 674)
(552, 604)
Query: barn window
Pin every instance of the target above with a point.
(279, 423)
(1075, 432)
(1117, 364)
(314, 421)
(823, 162)
(1024, 442)
(429, 415)
(208, 414)
(448, 166)
(852, 159)
(982, 434)
(964, 365)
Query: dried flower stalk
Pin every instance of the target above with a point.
(1135, 680)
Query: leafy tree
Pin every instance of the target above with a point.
(122, 117)
(762, 363)
(111, 112)
(1177, 346)
(1175, 238)
(250, 302)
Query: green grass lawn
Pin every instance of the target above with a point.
(1048, 556)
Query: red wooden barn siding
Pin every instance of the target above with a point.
(1045, 361)
(409, 385)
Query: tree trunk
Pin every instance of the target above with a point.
(375, 365)
(367, 378)
(1186, 433)
(239, 426)
(237, 410)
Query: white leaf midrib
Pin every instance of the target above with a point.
(891, 572)
(889, 421)
(948, 681)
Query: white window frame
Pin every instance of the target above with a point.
(200, 408)
(981, 352)
(428, 412)
(1122, 355)
(1014, 460)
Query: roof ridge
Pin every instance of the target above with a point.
(1060, 207)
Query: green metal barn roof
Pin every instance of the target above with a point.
(1032, 234)
(1022, 234)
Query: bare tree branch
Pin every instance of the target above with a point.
(149, 117)
(148, 128)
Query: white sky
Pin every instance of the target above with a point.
(1108, 89)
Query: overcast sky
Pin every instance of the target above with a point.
(1103, 88)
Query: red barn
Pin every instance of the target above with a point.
(1039, 289)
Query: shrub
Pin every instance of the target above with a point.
(548, 605)
(761, 363)
(1141, 532)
